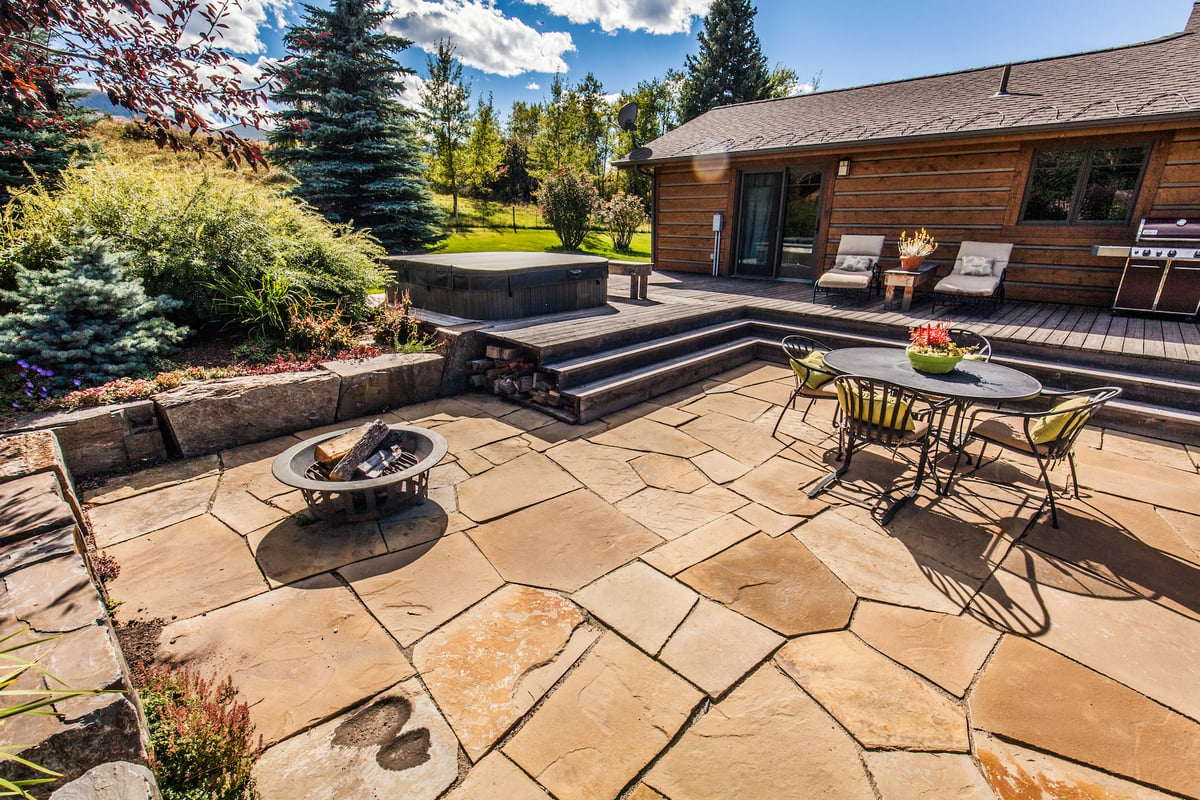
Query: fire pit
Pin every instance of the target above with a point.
(401, 483)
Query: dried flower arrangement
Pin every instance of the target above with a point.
(921, 243)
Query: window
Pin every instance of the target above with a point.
(1085, 185)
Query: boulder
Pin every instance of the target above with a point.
(208, 416)
(389, 381)
(115, 780)
(107, 439)
(36, 452)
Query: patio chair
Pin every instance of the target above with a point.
(976, 277)
(965, 338)
(855, 267)
(812, 377)
(882, 413)
(1047, 436)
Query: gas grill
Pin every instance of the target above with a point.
(1162, 269)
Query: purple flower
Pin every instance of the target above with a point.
(22, 363)
(77, 382)
(29, 392)
(16, 405)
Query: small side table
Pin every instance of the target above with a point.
(919, 278)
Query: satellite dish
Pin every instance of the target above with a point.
(627, 116)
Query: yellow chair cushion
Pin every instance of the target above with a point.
(1050, 427)
(879, 411)
(973, 357)
(817, 373)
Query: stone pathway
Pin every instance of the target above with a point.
(649, 607)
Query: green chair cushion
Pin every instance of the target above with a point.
(887, 411)
(1050, 427)
(814, 374)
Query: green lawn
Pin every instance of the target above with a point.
(476, 240)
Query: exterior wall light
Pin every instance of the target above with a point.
(843, 167)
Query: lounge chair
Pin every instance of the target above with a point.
(855, 267)
(977, 276)
(1046, 436)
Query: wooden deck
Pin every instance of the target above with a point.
(678, 296)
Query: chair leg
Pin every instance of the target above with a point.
(911, 494)
(1074, 477)
(1049, 493)
(807, 408)
(836, 475)
(791, 402)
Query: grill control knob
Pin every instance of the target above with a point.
(1146, 252)
(1171, 253)
(1158, 253)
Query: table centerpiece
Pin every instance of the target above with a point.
(914, 249)
(932, 350)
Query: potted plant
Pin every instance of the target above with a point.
(932, 350)
(913, 249)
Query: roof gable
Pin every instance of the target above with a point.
(1156, 78)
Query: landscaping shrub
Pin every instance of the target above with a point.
(78, 320)
(567, 200)
(395, 327)
(316, 328)
(621, 217)
(202, 741)
(187, 233)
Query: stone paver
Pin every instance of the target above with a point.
(945, 649)
(1154, 451)
(489, 666)
(878, 567)
(669, 415)
(881, 704)
(504, 451)
(902, 775)
(564, 543)
(779, 485)
(775, 394)
(521, 482)
(1017, 773)
(186, 569)
(397, 745)
(640, 603)
(51, 597)
(1128, 638)
(174, 472)
(719, 467)
(672, 514)
(414, 591)
(297, 548)
(651, 437)
(471, 432)
(244, 512)
(495, 777)
(767, 739)
(603, 724)
(668, 472)
(692, 548)
(419, 524)
(297, 654)
(739, 440)
(606, 470)
(730, 404)
(714, 647)
(124, 519)
(769, 522)
(1113, 473)
(1032, 695)
(776, 582)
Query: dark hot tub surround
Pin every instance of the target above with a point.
(1162, 269)
(488, 286)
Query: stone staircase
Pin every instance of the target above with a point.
(596, 376)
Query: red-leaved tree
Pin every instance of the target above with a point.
(161, 59)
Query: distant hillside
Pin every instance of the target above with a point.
(100, 102)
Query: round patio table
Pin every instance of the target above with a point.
(969, 382)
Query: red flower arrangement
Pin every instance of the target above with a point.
(933, 339)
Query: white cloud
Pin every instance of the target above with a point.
(652, 16)
(533, 86)
(411, 96)
(484, 37)
(243, 22)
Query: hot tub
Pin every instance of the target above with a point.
(502, 285)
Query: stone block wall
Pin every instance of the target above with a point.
(46, 587)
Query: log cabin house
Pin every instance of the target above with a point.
(1053, 155)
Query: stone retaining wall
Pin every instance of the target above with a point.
(207, 416)
(96, 740)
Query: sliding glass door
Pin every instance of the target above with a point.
(778, 216)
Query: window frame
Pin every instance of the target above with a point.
(1080, 190)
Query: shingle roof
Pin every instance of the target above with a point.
(1159, 77)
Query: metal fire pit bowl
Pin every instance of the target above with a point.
(354, 501)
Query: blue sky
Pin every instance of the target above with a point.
(513, 47)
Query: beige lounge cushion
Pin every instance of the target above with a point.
(969, 285)
(977, 266)
(855, 264)
(836, 279)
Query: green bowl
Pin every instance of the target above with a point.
(922, 362)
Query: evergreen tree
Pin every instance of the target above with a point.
(515, 181)
(345, 137)
(594, 126)
(485, 149)
(37, 143)
(730, 67)
(445, 98)
(81, 319)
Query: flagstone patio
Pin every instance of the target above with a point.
(649, 607)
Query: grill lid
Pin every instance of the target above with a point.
(1169, 230)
